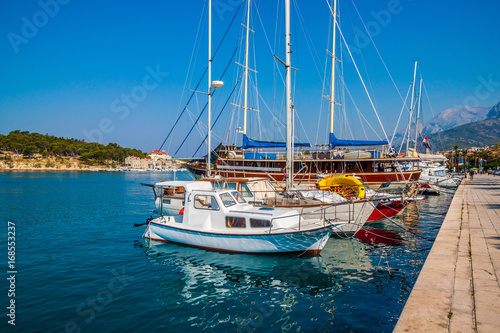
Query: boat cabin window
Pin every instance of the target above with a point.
(173, 191)
(235, 222)
(258, 223)
(227, 199)
(205, 202)
(168, 191)
(441, 173)
(245, 191)
(166, 201)
(238, 197)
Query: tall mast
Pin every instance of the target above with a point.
(332, 88)
(209, 136)
(411, 106)
(419, 106)
(245, 105)
(289, 107)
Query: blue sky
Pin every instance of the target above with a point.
(115, 71)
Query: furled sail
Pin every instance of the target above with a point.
(250, 143)
(334, 142)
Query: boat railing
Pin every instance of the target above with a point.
(322, 210)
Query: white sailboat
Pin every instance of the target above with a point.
(221, 219)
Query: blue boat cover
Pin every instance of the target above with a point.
(334, 142)
(249, 143)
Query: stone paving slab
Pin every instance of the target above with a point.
(458, 289)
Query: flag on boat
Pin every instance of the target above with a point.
(426, 142)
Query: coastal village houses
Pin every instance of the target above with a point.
(158, 160)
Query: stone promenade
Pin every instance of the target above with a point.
(458, 288)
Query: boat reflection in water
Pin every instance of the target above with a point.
(250, 286)
(380, 236)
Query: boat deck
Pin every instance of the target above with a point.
(458, 289)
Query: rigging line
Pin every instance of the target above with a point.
(276, 119)
(323, 92)
(361, 55)
(269, 44)
(402, 142)
(432, 112)
(344, 86)
(189, 68)
(192, 127)
(218, 116)
(274, 68)
(376, 49)
(362, 81)
(295, 95)
(400, 114)
(358, 111)
(199, 126)
(303, 128)
(206, 104)
(206, 69)
(308, 38)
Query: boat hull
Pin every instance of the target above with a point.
(387, 209)
(308, 177)
(309, 241)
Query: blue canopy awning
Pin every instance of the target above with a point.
(249, 143)
(334, 142)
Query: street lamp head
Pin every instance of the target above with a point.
(217, 84)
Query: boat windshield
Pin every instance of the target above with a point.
(238, 197)
(245, 191)
(205, 202)
(441, 173)
(227, 199)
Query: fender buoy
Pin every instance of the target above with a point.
(347, 186)
(181, 212)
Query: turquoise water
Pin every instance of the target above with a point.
(83, 267)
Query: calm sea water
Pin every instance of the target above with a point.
(83, 267)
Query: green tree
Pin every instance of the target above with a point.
(29, 150)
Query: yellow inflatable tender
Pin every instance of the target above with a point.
(347, 186)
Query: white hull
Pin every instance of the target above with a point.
(440, 181)
(309, 241)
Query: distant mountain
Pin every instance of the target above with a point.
(464, 127)
(477, 134)
(454, 117)
(494, 112)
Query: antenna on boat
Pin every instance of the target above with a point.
(411, 106)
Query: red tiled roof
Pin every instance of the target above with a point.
(159, 152)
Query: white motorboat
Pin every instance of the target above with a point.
(438, 176)
(221, 219)
(170, 199)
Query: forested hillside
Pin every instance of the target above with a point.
(29, 144)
